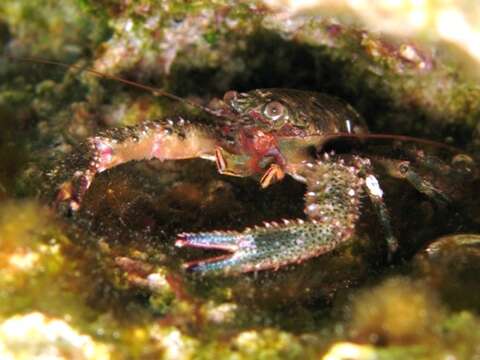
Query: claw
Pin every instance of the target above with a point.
(269, 247)
(67, 197)
(210, 265)
(332, 206)
(239, 245)
(227, 241)
(164, 140)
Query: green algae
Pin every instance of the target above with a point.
(31, 251)
(401, 315)
(112, 271)
(34, 334)
(39, 284)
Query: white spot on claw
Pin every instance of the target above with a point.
(373, 186)
(349, 126)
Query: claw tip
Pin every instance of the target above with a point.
(181, 241)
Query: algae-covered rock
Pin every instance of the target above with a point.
(404, 318)
(451, 265)
(397, 312)
(34, 335)
(107, 282)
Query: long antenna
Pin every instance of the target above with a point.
(405, 138)
(153, 90)
(160, 92)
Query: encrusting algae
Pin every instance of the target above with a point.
(108, 282)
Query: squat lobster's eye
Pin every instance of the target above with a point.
(274, 111)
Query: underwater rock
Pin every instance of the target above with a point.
(35, 335)
(112, 270)
(451, 265)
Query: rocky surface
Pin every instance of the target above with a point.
(107, 283)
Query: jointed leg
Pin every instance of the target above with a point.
(375, 193)
(404, 169)
(161, 140)
(332, 207)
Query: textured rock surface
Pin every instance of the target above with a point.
(110, 278)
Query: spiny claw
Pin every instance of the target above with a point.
(165, 139)
(240, 246)
(261, 248)
(218, 240)
(332, 206)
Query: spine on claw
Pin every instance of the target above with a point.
(332, 207)
(163, 140)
